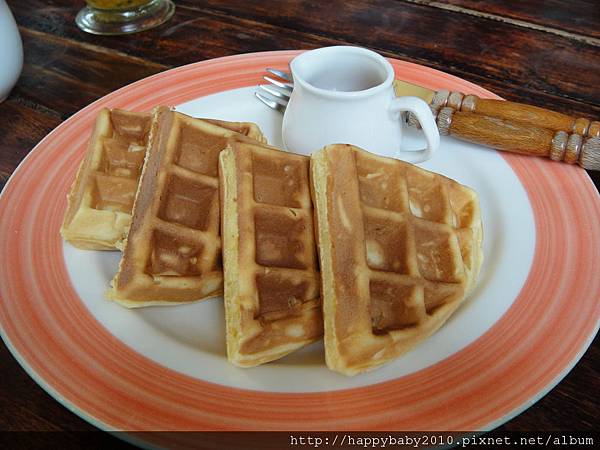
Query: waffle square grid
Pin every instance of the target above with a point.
(271, 280)
(400, 250)
(173, 249)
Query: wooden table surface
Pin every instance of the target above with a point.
(545, 53)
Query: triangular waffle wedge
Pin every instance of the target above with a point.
(272, 303)
(101, 198)
(400, 249)
(173, 249)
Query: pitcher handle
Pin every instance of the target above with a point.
(423, 114)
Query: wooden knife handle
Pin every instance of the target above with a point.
(517, 112)
(513, 136)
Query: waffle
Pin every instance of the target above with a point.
(272, 301)
(173, 250)
(400, 249)
(100, 201)
(101, 198)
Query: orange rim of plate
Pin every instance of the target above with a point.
(71, 355)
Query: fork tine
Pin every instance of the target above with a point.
(283, 101)
(281, 74)
(287, 86)
(273, 104)
(274, 92)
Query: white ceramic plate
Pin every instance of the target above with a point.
(191, 338)
(530, 319)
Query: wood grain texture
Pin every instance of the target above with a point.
(550, 14)
(500, 134)
(22, 125)
(441, 39)
(66, 69)
(55, 75)
(520, 137)
(532, 115)
(518, 64)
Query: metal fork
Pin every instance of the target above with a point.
(276, 94)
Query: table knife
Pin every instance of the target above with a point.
(510, 126)
(501, 109)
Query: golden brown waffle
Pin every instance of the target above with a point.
(400, 249)
(100, 201)
(101, 198)
(173, 249)
(272, 302)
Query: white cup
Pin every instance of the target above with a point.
(11, 51)
(345, 95)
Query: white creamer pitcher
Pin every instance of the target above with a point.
(345, 95)
(11, 51)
